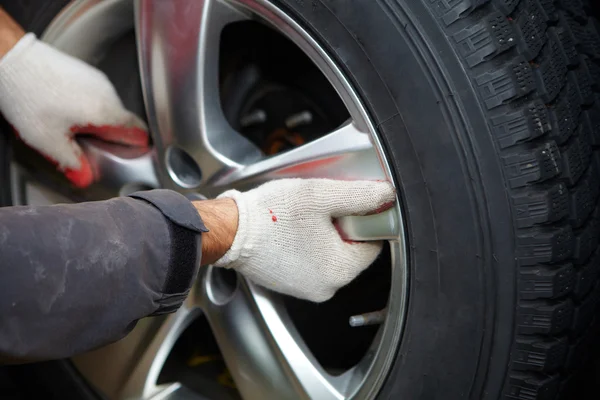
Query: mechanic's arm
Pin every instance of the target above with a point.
(74, 277)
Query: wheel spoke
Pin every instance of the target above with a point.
(264, 353)
(141, 384)
(382, 226)
(346, 153)
(118, 166)
(178, 45)
(134, 363)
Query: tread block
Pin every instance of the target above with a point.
(583, 197)
(575, 8)
(564, 114)
(541, 206)
(542, 282)
(452, 10)
(492, 35)
(531, 387)
(581, 78)
(585, 37)
(592, 46)
(550, 69)
(576, 158)
(506, 6)
(536, 165)
(543, 318)
(570, 53)
(512, 81)
(586, 240)
(544, 246)
(540, 355)
(550, 9)
(531, 24)
(586, 276)
(585, 312)
(526, 123)
(594, 71)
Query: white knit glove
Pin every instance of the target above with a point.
(49, 97)
(287, 241)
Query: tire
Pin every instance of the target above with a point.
(489, 111)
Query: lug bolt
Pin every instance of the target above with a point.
(371, 318)
(253, 118)
(301, 118)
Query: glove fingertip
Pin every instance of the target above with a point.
(81, 177)
(320, 298)
(386, 190)
(364, 253)
(137, 122)
(382, 196)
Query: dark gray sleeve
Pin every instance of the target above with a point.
(78, 276)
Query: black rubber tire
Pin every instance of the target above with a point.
(489, 112)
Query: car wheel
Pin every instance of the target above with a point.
(484, 114)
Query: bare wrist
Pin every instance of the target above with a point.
(10, 33)
(220, 216)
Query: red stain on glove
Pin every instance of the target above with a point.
(129, 136)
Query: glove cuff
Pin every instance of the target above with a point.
(235, 251)
(22, 45)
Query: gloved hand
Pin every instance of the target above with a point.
(49, 97)
(286, 239)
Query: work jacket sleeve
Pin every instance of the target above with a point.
(78, 276)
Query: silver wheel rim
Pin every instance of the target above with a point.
(265, 354)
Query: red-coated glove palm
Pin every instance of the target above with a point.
(50, 97)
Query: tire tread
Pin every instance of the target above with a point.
(536, 67)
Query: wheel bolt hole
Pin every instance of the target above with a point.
(182, 168)
(222, 284)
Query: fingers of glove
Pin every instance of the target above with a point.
(68, 157)
(56, 92)
(57, 148)
(333, 197)
(362, 255)
(326, 278)
(342, 198)
(80, 173)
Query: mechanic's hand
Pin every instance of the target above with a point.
(49, 97)
(286, 239)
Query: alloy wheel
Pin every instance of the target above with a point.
(195, 149)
